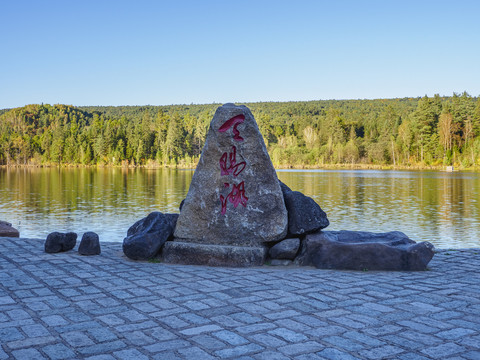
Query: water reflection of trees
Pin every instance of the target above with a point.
(429, 206)
(434, 206)
(47, 190)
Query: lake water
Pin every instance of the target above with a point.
(440, 207)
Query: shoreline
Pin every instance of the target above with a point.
(290, 167)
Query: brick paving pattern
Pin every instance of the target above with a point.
(67, 306)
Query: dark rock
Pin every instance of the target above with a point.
(234, 197)
(59, 242)
(352, 250)
(90, 244)
(176, 252)
(304, 214)
(285, 189)
(146, 237)
(181, 205)
(285, 249)
(70, 241)
(7, 230)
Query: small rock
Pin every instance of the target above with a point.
(359, 250)
(286, 249)
(304, 214)
(90, 244)
(70, 241)
(146, 237)
(60, 242)
(7, 230)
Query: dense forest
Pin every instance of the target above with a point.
(408, 132)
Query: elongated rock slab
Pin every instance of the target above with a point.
(360, 250)
(176, 252)
(234, 197)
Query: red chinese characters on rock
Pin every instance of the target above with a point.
(236, 197)
(234, 121)
(234, 168)
(229, 166)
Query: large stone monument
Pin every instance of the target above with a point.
(235, 199)
(237, 213)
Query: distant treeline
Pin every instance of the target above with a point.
(428, 131)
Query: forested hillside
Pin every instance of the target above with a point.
(401, 132)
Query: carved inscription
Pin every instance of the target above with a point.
(236, 197)
(229, 166)
(234, 121)
(233, 167)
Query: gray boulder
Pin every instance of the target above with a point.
(285, 250)
(356, 250)
(146, 237)
(60, 242)
(90, 244)
(304, 214)
(234, 197)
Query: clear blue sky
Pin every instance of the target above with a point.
(181, 52)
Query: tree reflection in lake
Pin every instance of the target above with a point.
(440, 207)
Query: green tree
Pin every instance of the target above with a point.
(425, 120)
(173, 141)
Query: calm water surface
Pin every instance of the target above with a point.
(440, 207)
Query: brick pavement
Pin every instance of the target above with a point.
(67, 306)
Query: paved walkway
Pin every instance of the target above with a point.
(67, 306)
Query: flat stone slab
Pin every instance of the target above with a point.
(360, 250)
(178, 252)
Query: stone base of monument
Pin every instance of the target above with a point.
(187, 253)
(358, 250)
